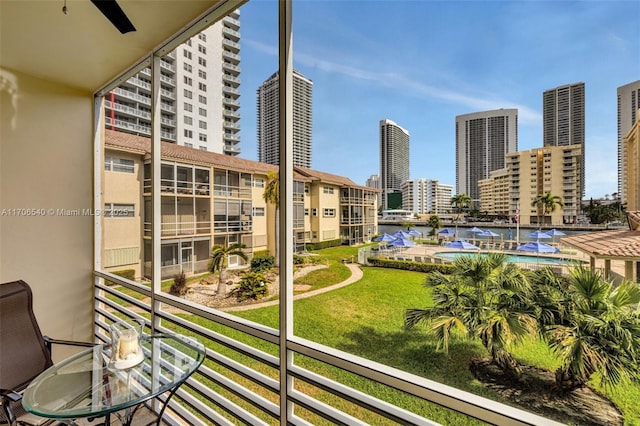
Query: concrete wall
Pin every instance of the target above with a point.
(46, 163)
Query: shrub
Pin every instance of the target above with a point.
(179, 286)
(262, 263)
(251, 286)
(323, 244)
(298, 260)
(262, 253)
(408, 265)
(129, 274)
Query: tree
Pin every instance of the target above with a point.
(435, 223)
(593, 327)
(271, 195)
(218, 262)
(459, 202)
(484, 298)
(547, 203)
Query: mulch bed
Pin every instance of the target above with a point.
(535, 391)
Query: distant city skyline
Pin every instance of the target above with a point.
(422, 64)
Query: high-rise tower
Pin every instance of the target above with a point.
(199, 93)
(394, 160)
(563, 111)
(482, 141)
(628, 105)
(268, 119)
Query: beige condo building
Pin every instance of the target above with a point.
(212, 199)
(631, 167)
(512, 190)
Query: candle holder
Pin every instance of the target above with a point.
(126, 351)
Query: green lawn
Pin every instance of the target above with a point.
(366, 319)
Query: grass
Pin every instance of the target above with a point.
(366, 319)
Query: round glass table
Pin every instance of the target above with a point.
(86, 385)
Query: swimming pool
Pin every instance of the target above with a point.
(513, 258)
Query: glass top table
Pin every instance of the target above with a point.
(85, 385)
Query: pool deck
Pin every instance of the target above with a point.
(429, 251)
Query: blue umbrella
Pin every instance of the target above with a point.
(402, 234)
(538, 247)
(487, 233)
(554, 232)
(538, 234)
(385, 238)
(414, 232)
(402, 242)
(447, 231)
(461, 244)
(475, 230)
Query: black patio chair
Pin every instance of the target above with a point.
(24, 352)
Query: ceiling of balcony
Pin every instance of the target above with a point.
(82, 48)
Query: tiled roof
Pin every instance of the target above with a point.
(170, 151)
(141, 144)
(619, 244)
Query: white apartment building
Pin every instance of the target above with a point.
(554, 169)
(200, 94)
(563, 119)
(394, 159)
(483, 139)
(268, 119)
(628, 105)
(426, 196)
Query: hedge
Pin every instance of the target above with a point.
(410, 266)
(323, 244)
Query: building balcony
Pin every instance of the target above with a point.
(231, 33)
(167, 66)
(231, 125)
(229, 66)
(232, 137)
(232, 23)
(231, 102)
(233, 57)
(231, 149)
(132, 96)
(231, 45)
(230, 90)
(139, 83)
(124, 109)
(228, 78)
(168, 80)
(231, 113)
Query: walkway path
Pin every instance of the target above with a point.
(356, 275)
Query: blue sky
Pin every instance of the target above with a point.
(422, 63)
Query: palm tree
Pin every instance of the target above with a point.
(218, 262)
(271, 195)
(435, 223)
(459, 202)
(547, 203)
(484, 298)
(594, 328)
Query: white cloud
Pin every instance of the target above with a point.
(401, 82)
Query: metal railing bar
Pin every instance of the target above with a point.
(246, 372)
(240, 347)
(375, 405)
(232, 408)
(449, 397)
(132, 285)
(240, 391)
(323, 410)
(179, 409)
(249, 327)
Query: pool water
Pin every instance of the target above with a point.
(513, 258)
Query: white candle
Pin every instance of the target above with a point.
(128, 344)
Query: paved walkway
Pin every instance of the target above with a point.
(356, 275)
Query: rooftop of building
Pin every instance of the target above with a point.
(142, 145)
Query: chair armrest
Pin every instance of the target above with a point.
(49, 342)
(11, 395)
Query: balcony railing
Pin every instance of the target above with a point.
(239, 382)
